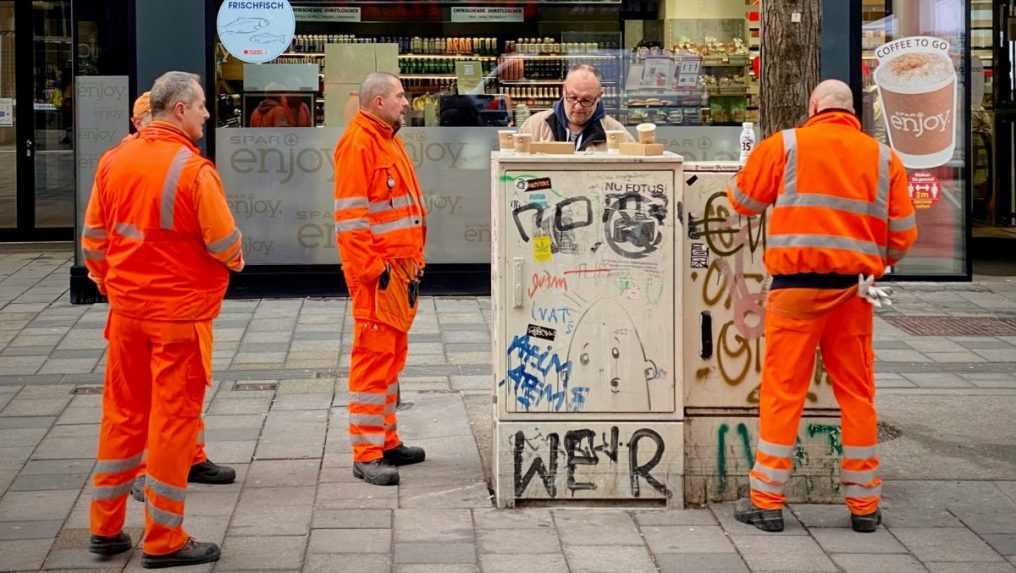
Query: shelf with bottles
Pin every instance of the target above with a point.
(677, 116)
(439, 65)
(411, 56)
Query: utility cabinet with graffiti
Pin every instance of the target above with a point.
(587, 342)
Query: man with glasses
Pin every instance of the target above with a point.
(578, 116)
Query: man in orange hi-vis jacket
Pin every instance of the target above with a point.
(202, 470)
(841, 213)
(380, 228)
(159, 241)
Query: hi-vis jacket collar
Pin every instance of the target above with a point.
(375, 124)
(165, 130)
(834, 117)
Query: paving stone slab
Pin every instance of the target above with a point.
(13, 530)
(352, 519)
(858, 563)
(435, 553)
(245, 553)
(433, 525)
(37, 505)
(23, 555)
(273, 511)
(437, 568)
(529, 518)
(675, 517)
(48, 482)
(1004, 543)
(282, 473)
(945, 544)
(701, 563)
(323, 563)
(329, 541)
(783, 553)
(613, 559)
(970, 567)
(592, 527)
(687, 539)
(511, 541)
(845, 540)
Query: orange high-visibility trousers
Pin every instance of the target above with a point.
(378, 356)
(200, 454)
(156, 375)
(840, 323)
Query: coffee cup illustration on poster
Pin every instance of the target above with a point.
(918, 90)
(256, 31)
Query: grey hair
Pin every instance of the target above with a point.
(376, 84)
(588, 68)
(173, 87)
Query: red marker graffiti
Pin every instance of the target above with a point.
(546, 281)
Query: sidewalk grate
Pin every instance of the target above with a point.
(254, 386)
(952, 325)
(87, 390)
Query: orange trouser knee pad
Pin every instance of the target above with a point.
(155, 382)
(378, 356)
(839, 323)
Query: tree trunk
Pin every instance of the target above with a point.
(791, 53)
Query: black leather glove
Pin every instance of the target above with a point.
(385, 277)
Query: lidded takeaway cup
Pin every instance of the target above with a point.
(614, 139)
(505, 140)
(917, 86)
(647, 132)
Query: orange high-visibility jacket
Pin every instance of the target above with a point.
(158, 235)
(379, 212)
(841, 199)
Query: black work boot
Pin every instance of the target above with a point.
(403, 455)
(765, 519)
(109, 546)
(138, 489)
(211, 473)
(866, 523)
(192, 553)
(377, 472)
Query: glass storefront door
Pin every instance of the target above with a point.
(36, 121)
(8, 126)
(915, 65)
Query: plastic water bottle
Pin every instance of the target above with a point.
(747, 140)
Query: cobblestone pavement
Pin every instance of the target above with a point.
(277, 412)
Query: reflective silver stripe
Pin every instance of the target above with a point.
(97, 233)
(775, 450)
(117, 466)
(895, 254)
(826, 241)
(112, 491)
(856, 206)
(163, 517)
(367, 398)
(165, 490)
(790, 166)
(351, 203)
(392, 204)
(169, 185)
(902, 224)
(746, 201)
(861, 491)
(129, 231)
(201, 437)
(352, 225)
(221, 245)
(778, 476)
(403, 223)
(882, 191)
(859, 452)
(367, 439)
(766, 487)
(94, 255)
(861, 478)
(393, 389)
(366, 420)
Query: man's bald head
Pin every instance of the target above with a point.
(375, 85)
(581, 89)
(830, 94)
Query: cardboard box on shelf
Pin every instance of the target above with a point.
(341, 103)
(642, 149)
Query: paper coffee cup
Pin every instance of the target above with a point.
(647, 132)
(918, 88)
(504, 139)
(614, 139)
(522, 141)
